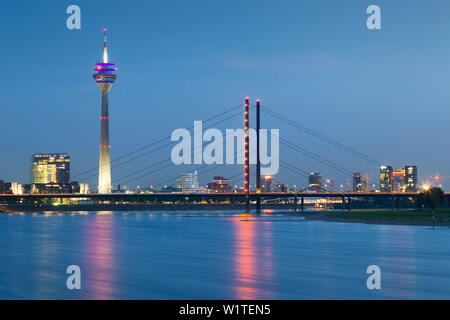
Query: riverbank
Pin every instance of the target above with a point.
(379, 216)
(387, 217)
(135, 207)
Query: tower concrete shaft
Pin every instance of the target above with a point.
(105, 79)
(104, 173)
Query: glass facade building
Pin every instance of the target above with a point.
(386, 178)
(315, 181)
(361, 182)
(188, 182)
(399, 180)
(411, 178)
(50, 168)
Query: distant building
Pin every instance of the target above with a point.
(50, 168)
(170, 189)
(42, 188)
(46, 188)
(188, 182)
(267, 184)
(315, 181)
(411, 178)
(220, 184)
(386, 178)
(16, 188)
(329, 184)
(281, 187)
(398, 180)
(5, 187)
(84, 188)
(361, 182)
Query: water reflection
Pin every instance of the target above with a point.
(234, 256)
(403, 265)
(99, 265)
(253, 258)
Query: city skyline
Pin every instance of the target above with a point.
(154, 72)
(252, 150)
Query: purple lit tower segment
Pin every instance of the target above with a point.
(105, 79)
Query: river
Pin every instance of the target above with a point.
(217, 255)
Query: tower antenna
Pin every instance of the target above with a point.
(105, 51)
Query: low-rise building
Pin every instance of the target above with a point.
(220, 184)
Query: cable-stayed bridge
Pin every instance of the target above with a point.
(247, 196)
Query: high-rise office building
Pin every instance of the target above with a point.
(361, 182)
(398, 180)
(315, 181)
(105, 79)
(411, 178)
(188, 182)
(386, 178)
(50, 168)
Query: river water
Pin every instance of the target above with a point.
(217, 255)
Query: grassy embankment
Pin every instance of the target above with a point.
(425, 215)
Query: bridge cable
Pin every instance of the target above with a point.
(321, 136)
(161, 147)
(156, 142)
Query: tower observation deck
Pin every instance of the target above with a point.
(104, 77)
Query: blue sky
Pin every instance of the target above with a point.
(385, 93)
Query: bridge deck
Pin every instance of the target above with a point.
(195, 196)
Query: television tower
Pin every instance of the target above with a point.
(105, 79)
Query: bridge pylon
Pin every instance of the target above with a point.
(258, 159)
(247, 156)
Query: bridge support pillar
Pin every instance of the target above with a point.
(392, 204)
(258, 161)
(398, 204)
(349, 203)
(186, 203)
(295, 204)
(448, 201)
(258, 203)
(302, 204)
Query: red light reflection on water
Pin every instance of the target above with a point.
(100, 260)
(253, 258)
